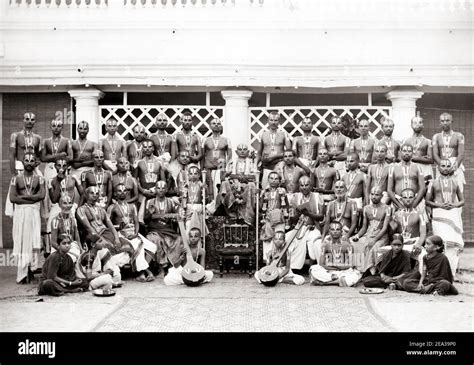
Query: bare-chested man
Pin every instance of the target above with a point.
(363, 146)
(186, 140)
(82, 150)
(306, 146)
(446, 198)
(217, 154)
(112, 145)
(62, 184)
(149, 171)
(373, 234)
(406, 175)
(337, 146)
(22, 142)
(27, 190)
(165, 146)
(343, 210)
(55, 148)
(125, 178)
(272, 144)
(99, 177)
(355, 180)
(449, 144)
(422, 149)
(290, 173)
(135, 147)
(393, 147)
(378, 173)
(325, 177)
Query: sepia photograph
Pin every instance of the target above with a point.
(237, 167)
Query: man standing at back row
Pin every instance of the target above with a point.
(272, 145)
(450, 145)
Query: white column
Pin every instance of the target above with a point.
(236, 116)
(403, 109)
(87, 109)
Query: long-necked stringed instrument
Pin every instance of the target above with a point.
(269, 275)
(192, 273)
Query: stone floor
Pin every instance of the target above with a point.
(232, 303)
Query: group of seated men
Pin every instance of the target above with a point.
(341, 203)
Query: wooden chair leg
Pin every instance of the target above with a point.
(221, 266)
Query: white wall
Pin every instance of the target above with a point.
(280, 43)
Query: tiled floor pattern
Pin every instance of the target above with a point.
(243, 315)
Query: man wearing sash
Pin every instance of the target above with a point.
(393, 147)
(335, 266)
(21, 143)
(406, 175)
(217, 154)
(193, 201)
(272, 144)
(65, 223)
(186, 140)
(343, 210)
(337, 146)
(373, 234)
(290, 173)
(159, 215)
(27, 190)
(306, 146)
(96, 223)
(165, 146)
(135, 147)
(307, 207)
(238, 190)
(149, 171)
(378, 174)
(82, 150)
(274, 211)
(124, 216)
(422, 148)
(449, 144)
(191, 251)
(363, 146)
(178, 172)
(125, 178)
(411, 224)
(446, 198)
(62, 184)
(355, 180)
(325, 177)
(113, 146)
(55, 148)
(100, 178)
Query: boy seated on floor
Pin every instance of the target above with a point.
(336, 265)
(393, 265)
(58, 275)
(193, 251)
(89, 267)
(285, 273)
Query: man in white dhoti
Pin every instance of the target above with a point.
(192, 251)
(285, 274)
(446, 198)
(336, 265)
(27, 190)
(306, 147)
(193, 199)
(308, 208)
(337, 146)
(82, 150)
(113, 146)
(422, 148)
(124, 216)
(99, 177)
(22, 142)
(165, 145)
(449, 144)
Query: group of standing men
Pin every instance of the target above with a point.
(345, 196)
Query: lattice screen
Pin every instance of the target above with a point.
(321, 116)
(130, 116)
